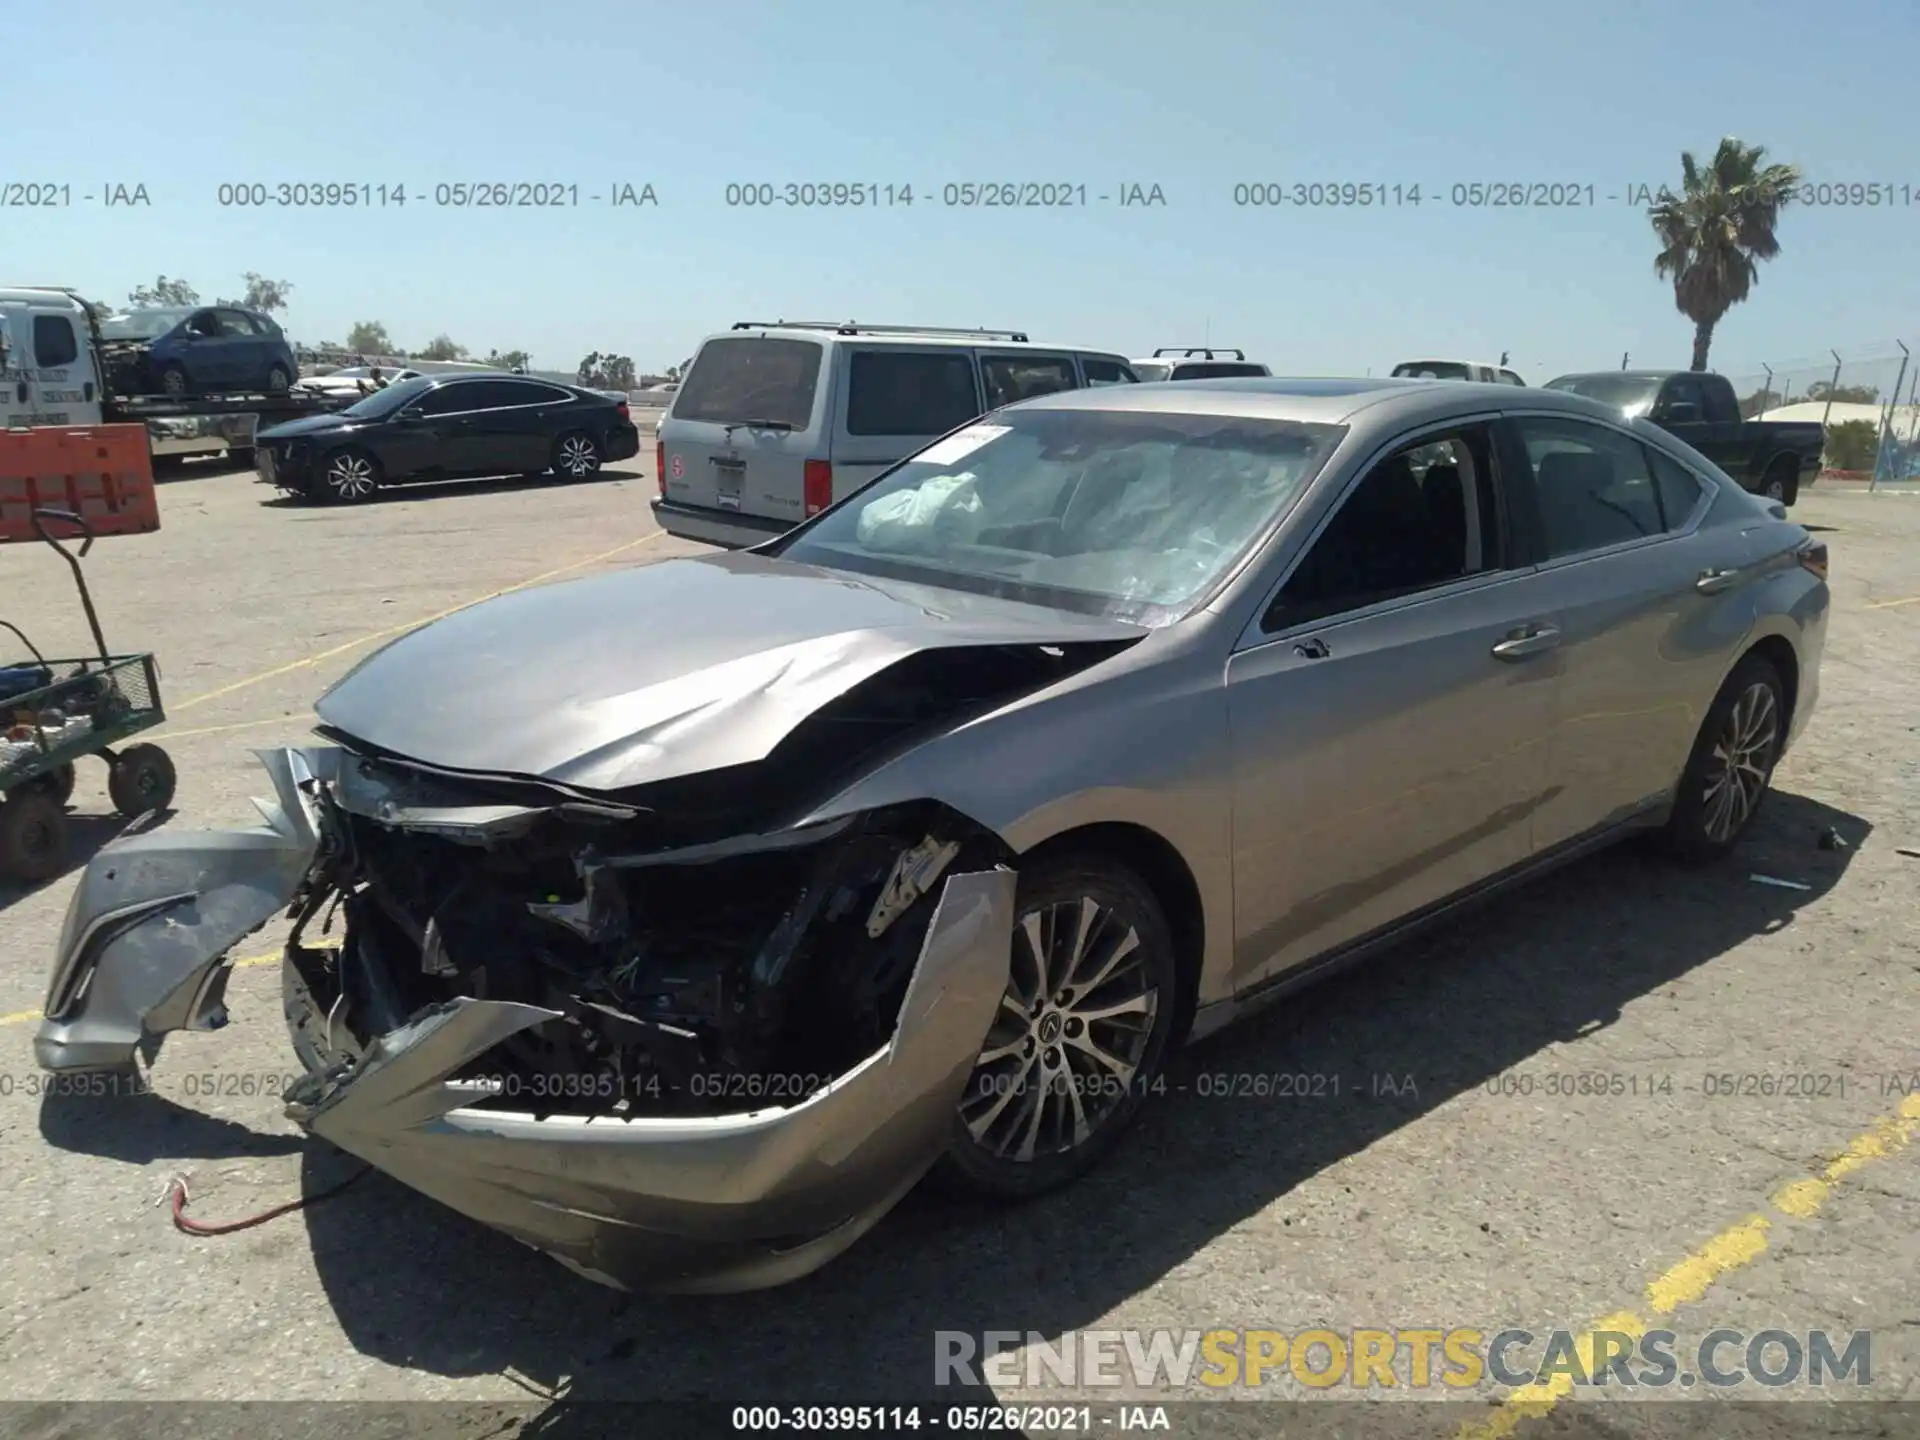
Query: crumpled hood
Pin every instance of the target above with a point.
(661, 670)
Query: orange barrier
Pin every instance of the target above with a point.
(103, 473)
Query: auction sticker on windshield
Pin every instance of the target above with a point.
(960, 444)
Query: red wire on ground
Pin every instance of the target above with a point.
(177, 1193)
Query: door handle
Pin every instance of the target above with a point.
(1312, 649)
(1712, 582)
(1534, 640)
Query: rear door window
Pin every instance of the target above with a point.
(237, 323)
(1010, 379)
(501, 394)
(908, 392)
(752, 377)
(1592, 485)
(1678, 488)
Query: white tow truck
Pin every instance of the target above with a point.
(51, 373)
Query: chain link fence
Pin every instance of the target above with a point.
(1866, 397)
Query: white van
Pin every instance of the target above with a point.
(773, 422)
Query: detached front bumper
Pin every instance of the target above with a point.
(718, 1203)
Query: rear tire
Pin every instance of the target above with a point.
(33, 835)
(1781, 482)
(1731, 766)
(1065, 1066)
(346, 477)
(278, 381)
(141, 779)
(576, 455)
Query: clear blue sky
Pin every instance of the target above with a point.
(1194, 97)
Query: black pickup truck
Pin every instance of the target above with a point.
(1769, 457)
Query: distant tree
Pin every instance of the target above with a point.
(1844, 394)
(263, 294)
(673, 374)
(1715, 230)
(1850, 445)
(441, 347)
(508, 359)
(607, 372)
(369, 337)
(164, 292)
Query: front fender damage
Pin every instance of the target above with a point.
(155, 916)
(674, 1056)
(699, 1203)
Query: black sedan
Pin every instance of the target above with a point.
(445, 427)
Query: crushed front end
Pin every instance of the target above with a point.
(673, 1051)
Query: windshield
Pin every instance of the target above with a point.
(1110, 512)
(1631, 394)
(385, 402)
(1432, 370)
(142, 324)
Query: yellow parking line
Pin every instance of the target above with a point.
(27, 1017)
(1732, 1249)
(302, 720)
(393, 630)
(1889, 604)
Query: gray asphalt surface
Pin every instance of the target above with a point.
(1471, 1191)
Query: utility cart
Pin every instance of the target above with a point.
(53, 712)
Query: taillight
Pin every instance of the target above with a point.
(817, 489)
(623, 412)
(660, 466)
(1813, 558)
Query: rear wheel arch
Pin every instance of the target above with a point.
(1166, 873)
(1779, 653)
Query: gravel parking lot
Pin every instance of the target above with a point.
(1565, 1136)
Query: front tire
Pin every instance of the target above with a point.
(347, 477)
(174, 383)
(1080, 1036)
(576, 455)
(1731, 766)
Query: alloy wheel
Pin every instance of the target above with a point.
(1741, 762)
(1069, 1036)
(1776, 490)
(578, 457)
(351, 477)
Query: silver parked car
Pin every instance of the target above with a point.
(927, 828)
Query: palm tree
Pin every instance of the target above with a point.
(1713, 232)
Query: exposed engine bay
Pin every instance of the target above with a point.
(704, 956)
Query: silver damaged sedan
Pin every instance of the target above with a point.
(678, 921)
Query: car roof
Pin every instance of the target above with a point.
(1321, 400)
(944, 340)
